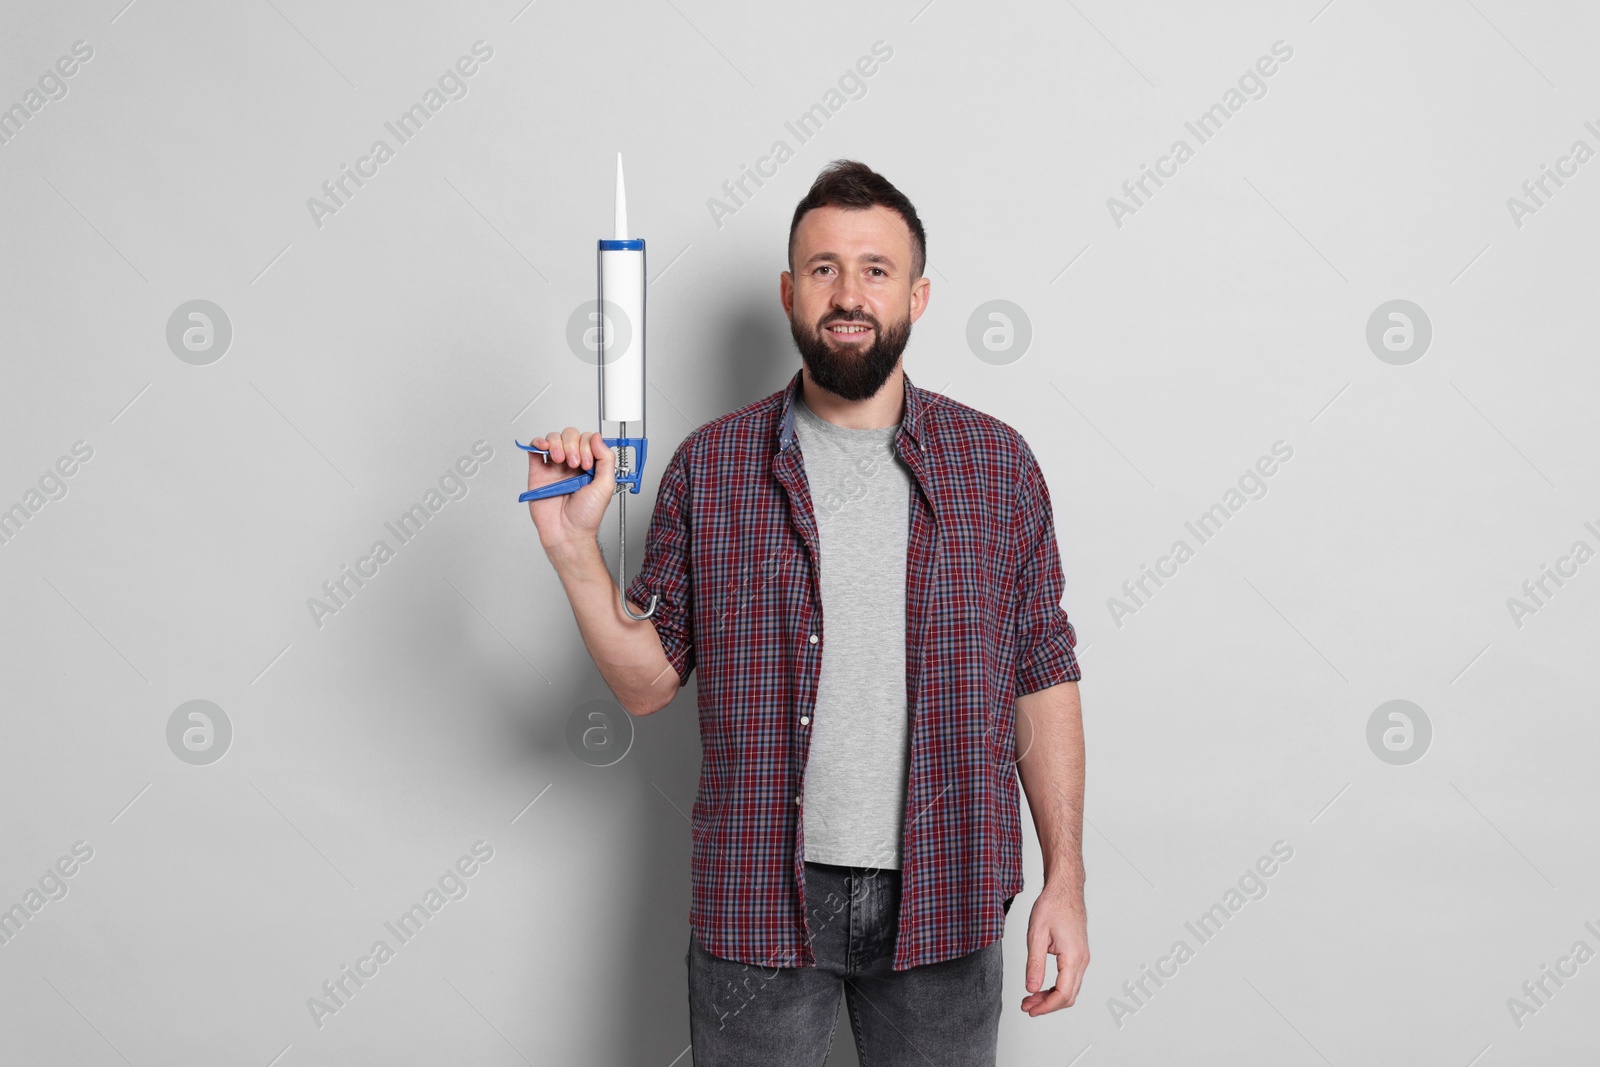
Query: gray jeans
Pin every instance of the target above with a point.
(741, 1015)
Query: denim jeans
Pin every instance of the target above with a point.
(742, 1015)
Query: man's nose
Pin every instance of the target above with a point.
(847, 297)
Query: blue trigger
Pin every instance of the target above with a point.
(630, 456)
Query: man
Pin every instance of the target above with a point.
(866, 575)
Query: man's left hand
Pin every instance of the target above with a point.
(1058, 926)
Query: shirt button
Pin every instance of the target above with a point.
(813, 639)
(805, 720)
(797, 800)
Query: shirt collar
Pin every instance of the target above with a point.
(910, 419)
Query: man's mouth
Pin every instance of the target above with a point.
(848, 330)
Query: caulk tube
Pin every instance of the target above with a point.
(622, 284)
(622, 364)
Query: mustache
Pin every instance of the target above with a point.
(859, 317)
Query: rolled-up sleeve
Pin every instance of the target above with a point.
(666, 569)
(1045, 637)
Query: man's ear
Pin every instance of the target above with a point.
(920, 291)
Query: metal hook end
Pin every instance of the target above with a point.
(651, 610)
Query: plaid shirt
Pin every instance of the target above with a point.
(732, 552)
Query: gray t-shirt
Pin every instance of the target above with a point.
(855, 777)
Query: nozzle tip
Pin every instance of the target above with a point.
(621, 227)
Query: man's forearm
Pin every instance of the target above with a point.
(1050, 761)
(627, 651)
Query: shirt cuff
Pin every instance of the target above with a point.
(679, 648)
(1051, 659)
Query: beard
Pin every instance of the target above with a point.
(854, 372)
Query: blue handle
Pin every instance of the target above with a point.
(630, 453)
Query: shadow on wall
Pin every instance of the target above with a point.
(752, 356)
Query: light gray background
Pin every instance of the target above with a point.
(433, 710)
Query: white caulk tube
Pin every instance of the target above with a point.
(622, 284)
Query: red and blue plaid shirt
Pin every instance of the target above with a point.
(733, 554)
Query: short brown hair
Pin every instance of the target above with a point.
(849, 184)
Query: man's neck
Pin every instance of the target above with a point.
(882, 410)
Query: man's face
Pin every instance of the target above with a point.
(851, 299)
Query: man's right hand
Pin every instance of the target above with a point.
(575, 517)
